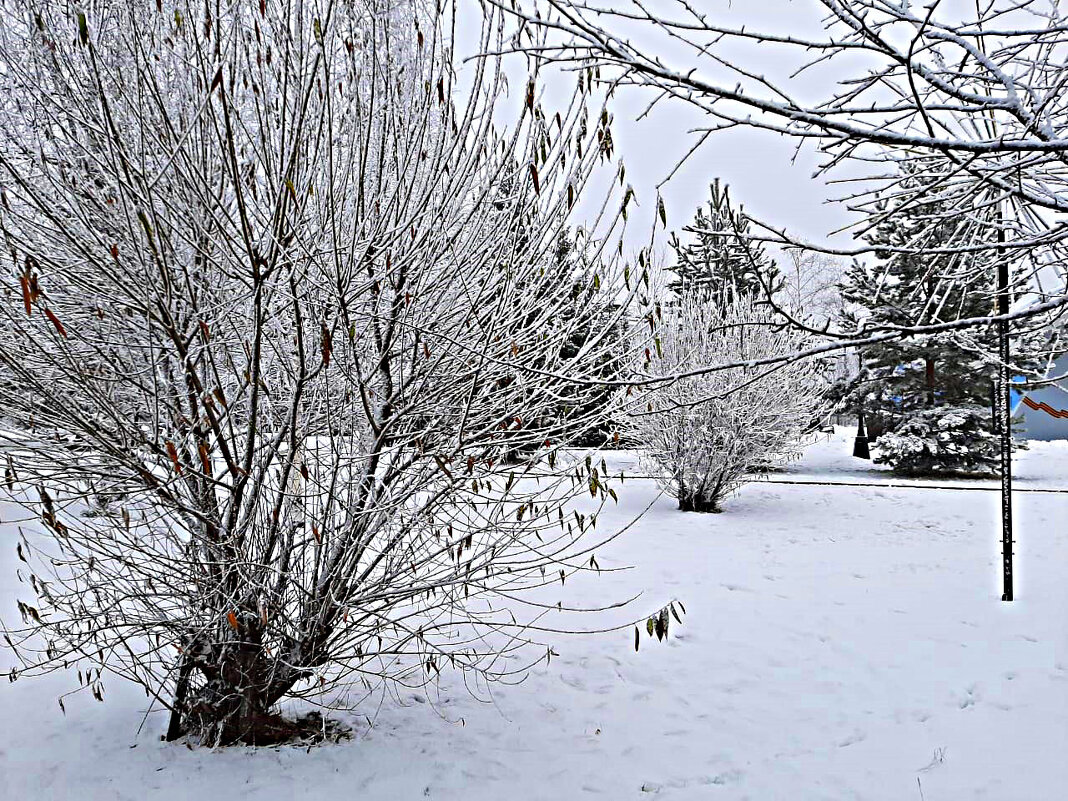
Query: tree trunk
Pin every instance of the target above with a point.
(929, 376)
(175, 727)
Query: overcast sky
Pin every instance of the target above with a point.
(760, 167)
(765, 173)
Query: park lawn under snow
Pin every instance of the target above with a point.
(839, 643)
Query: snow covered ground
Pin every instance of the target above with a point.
(840, 643)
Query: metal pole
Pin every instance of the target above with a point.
(860, 444)
(1005, 415)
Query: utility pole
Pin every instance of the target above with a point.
(1005, 416)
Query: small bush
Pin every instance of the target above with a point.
(945, 440)
(706, 435)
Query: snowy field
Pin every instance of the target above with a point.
(840, 643)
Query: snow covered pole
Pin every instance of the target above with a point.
(1005, 419)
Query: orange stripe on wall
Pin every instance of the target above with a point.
(1060, 414)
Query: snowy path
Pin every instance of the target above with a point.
(841, 643)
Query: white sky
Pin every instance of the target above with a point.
(765, 173)
(759, 167)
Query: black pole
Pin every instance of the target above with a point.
(860, 444)
(1005, 419)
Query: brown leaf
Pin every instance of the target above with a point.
(674, 613)
(56, 323)
(231, 618)
(173, 453)
(444, 467)
(534, 178)
(25, 282)
(216, 82)
(326, 345)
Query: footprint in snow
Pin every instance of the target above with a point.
(970, 697)
(856, 737)
(574, 682)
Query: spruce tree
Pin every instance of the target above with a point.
(569, 295)
(722, 262)
(901, 378)
(568, 260)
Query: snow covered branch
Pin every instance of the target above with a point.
(945, 106)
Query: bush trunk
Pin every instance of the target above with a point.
(235, 701)
(692, 503)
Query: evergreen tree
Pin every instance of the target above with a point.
(900, 378)
(722, 261)
(561, 284)
(569, 262)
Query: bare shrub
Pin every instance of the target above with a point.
(275, 284)
(708, 434)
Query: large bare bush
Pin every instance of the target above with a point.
(273, 280)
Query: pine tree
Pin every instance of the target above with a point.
(562, 285)
(722, 261)
(569, 262)
(901, 378)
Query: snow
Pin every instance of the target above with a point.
(839, 643)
